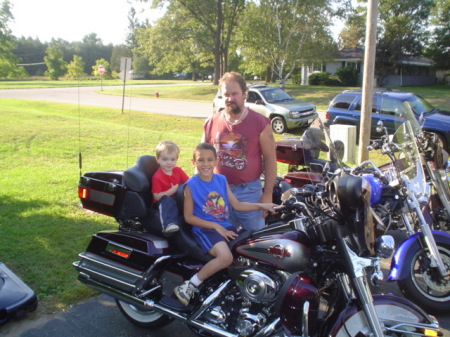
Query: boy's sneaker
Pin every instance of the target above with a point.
(171, 228)
(185, 292)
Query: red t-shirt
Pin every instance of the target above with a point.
(237, 146)
(162, 182)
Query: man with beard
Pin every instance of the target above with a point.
(246, 148)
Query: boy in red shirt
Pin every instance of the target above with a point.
(165, 183)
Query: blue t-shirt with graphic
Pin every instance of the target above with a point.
(210, 199)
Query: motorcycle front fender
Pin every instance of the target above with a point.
(403, 255)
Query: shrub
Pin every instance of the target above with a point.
(323, 78)
(348, 76)
(318, 78)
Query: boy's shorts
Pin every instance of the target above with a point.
(207, 238)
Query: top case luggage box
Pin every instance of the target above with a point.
(102, 192)
(292, 152)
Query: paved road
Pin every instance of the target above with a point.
(92, 96)
(99, 317)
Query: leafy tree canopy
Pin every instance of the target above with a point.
(56, 67)
(8, 61)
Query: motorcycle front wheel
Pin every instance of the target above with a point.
(424, 286)
(148, 318)
(356, 325)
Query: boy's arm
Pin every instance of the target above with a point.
(243, 206)
(169, 192)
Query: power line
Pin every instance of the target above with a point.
(31, 64)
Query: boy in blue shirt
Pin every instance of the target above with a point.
(207, 200)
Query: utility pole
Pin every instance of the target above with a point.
(368, 76)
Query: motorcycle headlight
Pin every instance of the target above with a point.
(376, 189)
(384, 246)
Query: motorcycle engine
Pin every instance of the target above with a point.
(247, 305)
(258, 286)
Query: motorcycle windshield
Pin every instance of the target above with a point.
(408, 160)
(335, 153)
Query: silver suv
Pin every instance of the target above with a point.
(284, 111)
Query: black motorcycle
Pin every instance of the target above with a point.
(304, 276)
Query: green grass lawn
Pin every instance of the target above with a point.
(42, 227)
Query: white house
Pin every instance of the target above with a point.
(413, 70)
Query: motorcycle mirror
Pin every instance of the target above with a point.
(380, 126)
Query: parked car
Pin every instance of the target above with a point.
(387, 107)
(284, 111)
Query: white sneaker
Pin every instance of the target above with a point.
(185, 292)
(171, 228)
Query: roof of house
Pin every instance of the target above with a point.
(349, 54)
(357, 54)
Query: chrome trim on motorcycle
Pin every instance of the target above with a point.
(365, 295)
(436, 259)
(269, 329)
(83, 272)
(109, 265)
(408, 325)
(209, 300)
(385, 246)
(305, 328)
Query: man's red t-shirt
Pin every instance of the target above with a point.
(237, 146)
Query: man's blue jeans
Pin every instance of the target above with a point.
(249, 192)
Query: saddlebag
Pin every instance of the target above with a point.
(120, 259)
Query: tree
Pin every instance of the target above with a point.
(56, 67)
(353, 33)
(91, 48)
(31, 52)
(8, 61)
(285, 34)
(216, 19)
(117, 53)
(174, 46)
(102, 62)
(439, 48)
(75, 69)
(402, 31)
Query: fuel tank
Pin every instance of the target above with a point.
(289, 251)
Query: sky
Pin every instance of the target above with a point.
(72, 20)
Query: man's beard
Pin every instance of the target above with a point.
(233, 109)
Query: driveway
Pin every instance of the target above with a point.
(92, 96)
(99, 316)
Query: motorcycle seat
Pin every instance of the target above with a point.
(138, 200)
